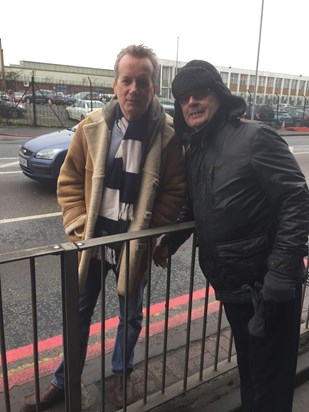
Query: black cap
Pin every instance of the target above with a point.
(197, 75)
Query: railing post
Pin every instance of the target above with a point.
(71, 330)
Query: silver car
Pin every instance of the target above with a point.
(80, 108)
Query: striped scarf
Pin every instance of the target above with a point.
(121, 185)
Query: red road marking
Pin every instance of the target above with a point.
(56, 341)
(26, 373)
(47, 367)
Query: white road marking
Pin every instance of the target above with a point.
(9, 173)
(9, 164)
(34, 217)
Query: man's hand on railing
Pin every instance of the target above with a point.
(160, 255)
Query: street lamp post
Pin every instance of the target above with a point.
(250, 105)
(177, 55)
(257, 64)
(2, 67)
(278, 100)
(176, 66)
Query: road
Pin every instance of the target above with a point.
(30, 217)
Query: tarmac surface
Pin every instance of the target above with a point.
(219, 394)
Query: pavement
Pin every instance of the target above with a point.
(217, 391)
(24, 131)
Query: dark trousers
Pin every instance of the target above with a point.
(267, 365)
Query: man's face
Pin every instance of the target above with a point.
(134, 87)
(199, 107)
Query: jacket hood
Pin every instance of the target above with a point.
(197, 75)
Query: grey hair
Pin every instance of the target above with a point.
(141, 52)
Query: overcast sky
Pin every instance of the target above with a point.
(224, 32)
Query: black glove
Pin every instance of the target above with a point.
(284, 274)
(256, 325)
(278, 287)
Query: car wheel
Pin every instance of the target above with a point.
(82, 117)
(28, 100)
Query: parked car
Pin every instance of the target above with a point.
(61, 98)
(86, 96)
(41, 158)
(10, 110)
(4, 96)
(265, 114)
(106, 97)
(300, 118)
(18, 97)
(168, 105)
(40, 96)
(282, 118)
(80, 108)
(48, 97)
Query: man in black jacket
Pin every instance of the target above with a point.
(250, 202)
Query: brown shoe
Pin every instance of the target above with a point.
(49, 397)
(117, 391)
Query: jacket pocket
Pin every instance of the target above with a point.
(77, 235)
(244, 261)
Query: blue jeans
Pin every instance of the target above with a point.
(87, 303)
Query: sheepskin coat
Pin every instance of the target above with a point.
(80, 186)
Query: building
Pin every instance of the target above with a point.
(272, 88)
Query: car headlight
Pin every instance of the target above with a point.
(48, 154)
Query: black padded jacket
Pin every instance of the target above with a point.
(250, 203)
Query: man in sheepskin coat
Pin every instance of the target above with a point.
(124, 171)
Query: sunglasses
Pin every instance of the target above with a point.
(196, 95)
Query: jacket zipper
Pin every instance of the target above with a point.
(212, 180)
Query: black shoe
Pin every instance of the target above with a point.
(49, 397)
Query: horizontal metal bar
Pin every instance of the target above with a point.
(145, 233)
(22, 254)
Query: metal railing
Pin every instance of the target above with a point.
(214, 337)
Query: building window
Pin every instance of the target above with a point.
(294, 84)
(234, 78)
(252, 80)
(166, 76)
(243, 79)
(286, 83)
(225, 77)
(278, 83)
(270, 81)
(262, 81)
(301, 86)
